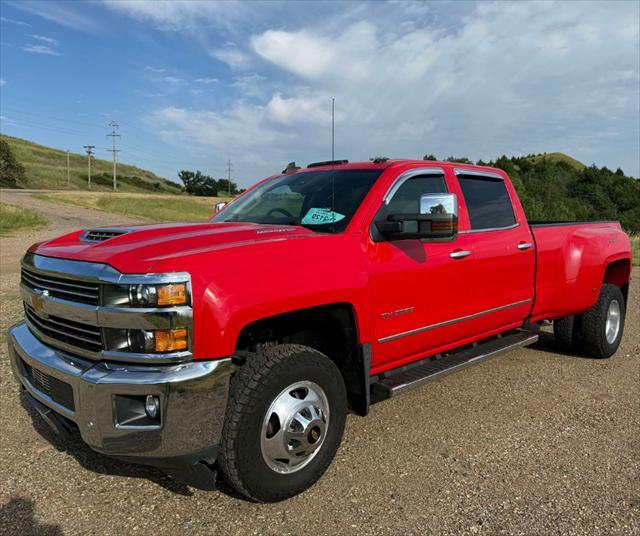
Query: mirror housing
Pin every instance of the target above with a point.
(219, 206)
(437, 220)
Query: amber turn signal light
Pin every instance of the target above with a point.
(174, 294)
(171, 340)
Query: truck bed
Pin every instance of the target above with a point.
(570, 264)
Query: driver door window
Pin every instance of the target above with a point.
(407, 199)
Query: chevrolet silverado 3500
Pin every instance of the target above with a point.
(239, 345)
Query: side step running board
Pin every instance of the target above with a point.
(407, 378)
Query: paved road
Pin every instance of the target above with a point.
(533, 442)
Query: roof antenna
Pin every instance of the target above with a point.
(333, 163)
(333, 129)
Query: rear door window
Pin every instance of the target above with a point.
(488, 202)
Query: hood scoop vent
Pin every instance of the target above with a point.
(100, 235)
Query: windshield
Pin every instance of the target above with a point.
(323, 201)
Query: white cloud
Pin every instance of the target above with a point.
(232, 56)
(313, 109)
(14, 21)
(41, 49)
(64, 13)
(186, 15)
(173, 79)
(156, 70)
(207, 80)
(46, 39)
(3, 82)
(509, 78)
(299, 52)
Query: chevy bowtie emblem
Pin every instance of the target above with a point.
(37, 302)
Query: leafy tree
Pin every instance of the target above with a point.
(11, 171)
(430, 157)
(223, 187)
(198, 184)
(459, 160)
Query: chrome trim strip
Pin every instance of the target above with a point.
(95, 272)
(422, 329)
(476, 173)
(473, 231)
(404, 177)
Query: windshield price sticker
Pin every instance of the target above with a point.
(321, 216)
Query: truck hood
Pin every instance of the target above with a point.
(136, 249)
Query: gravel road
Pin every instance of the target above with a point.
(532, 442)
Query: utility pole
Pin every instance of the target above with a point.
(89, 149)
(68, 179)
(229, 176)
(114, 128)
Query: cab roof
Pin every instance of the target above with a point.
(390, 163)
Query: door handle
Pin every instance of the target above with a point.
(459, 254)
(525, 245)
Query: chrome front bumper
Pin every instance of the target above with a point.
(193, 399)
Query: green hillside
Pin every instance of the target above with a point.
(557, 157)
(45, 167)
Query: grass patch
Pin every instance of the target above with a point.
(159, 208)
(46, 168)
(635, 249)
(14, 218)
(558, 157)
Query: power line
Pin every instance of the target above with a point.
(229, 169)
(89, 149)
(114, 151)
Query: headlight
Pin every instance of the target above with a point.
(157, 341)
(146, 295)
(160, 295)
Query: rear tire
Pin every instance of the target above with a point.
(567, 333)
(603, 324)
(285, 418)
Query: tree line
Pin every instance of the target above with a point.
(552, 188)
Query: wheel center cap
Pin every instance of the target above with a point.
(314, 434)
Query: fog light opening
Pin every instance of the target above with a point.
(152, 406)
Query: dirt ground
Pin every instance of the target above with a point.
(532, 442)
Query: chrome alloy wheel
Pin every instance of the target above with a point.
(612, 327)
(294, 427)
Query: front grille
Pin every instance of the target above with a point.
(59, 391)
(58, 287)
(74, 333)
(100, 235)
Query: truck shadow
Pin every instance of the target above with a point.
(547, 343)
(18, 517)
(96, 462)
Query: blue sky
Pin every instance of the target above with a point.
(195, 83)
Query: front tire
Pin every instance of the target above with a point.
(284, 422)
(603, 324)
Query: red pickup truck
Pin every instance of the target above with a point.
(239, 345)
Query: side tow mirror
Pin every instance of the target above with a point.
(436, 221)
(219, 206)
